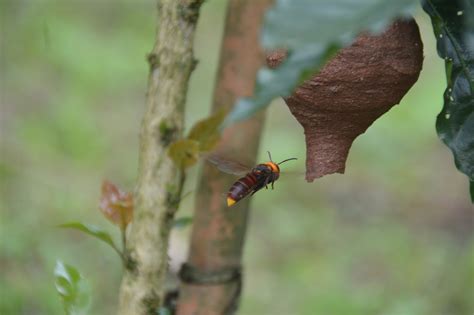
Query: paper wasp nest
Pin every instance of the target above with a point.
(361, 83)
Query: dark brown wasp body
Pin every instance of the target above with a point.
(260, 176)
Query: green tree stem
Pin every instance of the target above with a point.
(171, 64)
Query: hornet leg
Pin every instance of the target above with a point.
(267, 181)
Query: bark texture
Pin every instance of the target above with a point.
(218, 232)
(351, 91)
(171, 63)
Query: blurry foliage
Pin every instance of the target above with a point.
(184, 153)
(206, 131)
(202, 137)
(72, 95)
(72, 289)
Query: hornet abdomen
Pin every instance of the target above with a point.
(241, 188)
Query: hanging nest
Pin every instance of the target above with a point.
(357, 86)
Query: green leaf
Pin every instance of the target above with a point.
(453, 24)
(72, 289)
(206, 131)
(93, 231)
(182, 222)
(311, 31)
(184, 153)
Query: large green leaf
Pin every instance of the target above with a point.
(311, 31)
(72, 289)
(93, 231)
(453, 24)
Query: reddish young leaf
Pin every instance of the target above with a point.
(116, 205)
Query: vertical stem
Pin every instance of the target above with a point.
(218, 232)
(171, 64)
(123, 234)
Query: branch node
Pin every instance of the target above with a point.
(153, 61)
(189, 12)
(194, 64)
(130, 264)
(152, 303)
(168, 133)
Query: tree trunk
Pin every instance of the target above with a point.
(171, 63)
(211, 278)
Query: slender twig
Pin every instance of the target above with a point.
(124, 238)
(120, 253)
(176, 197)
(182, 180)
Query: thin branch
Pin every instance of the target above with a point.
(212, 276)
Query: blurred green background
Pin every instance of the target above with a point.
(393, 236)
